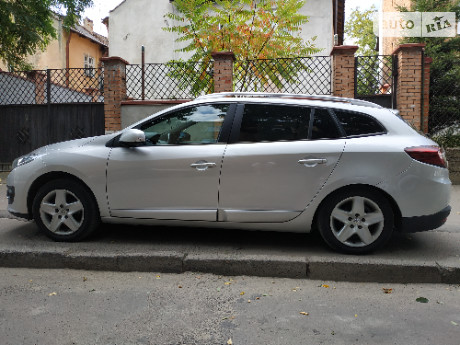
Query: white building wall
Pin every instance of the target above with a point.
(139, 22)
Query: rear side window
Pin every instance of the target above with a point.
(358, 124)
(324, 127)
(263, 122)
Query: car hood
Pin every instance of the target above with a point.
(73, 143)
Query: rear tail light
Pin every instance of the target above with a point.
(433, 155)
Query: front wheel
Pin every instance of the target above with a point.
(65, 210)
(356, 220)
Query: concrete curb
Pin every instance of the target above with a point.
(252, 265)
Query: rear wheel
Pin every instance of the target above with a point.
(65, 210)
(356, 220)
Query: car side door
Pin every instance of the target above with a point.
(175, 175)
(278, 158)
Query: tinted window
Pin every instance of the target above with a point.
(358, 124)
(324, 126)
(263, 122)
(194, 125)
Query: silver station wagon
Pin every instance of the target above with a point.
(350, 169)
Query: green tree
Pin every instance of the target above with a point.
(359, 27)
(251, 29)
(445, 68)
(27, 25)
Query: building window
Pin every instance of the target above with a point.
(89, 66)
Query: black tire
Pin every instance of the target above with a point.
(65, 210)
(356, 220)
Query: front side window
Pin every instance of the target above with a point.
(190, 126)
(268, 122)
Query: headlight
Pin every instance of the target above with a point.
(24, 160)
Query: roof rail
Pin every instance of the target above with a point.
(289, 96)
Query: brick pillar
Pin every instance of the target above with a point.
(409, 83)
(223, 71)
(426, 93)
(343, 71)
(39, 80)
(114, 91)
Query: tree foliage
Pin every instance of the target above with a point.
(445, 68)
(359, 27)
(27, 25)
(251, 29)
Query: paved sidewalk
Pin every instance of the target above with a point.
(428, 257)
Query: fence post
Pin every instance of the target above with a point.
(223, 71)
(114, 91)
(426, 93)
(343, 71)
(409, 84)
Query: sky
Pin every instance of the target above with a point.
(101, 9)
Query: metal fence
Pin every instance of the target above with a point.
(68, 85)
(302, 75)
(375, 79)
(172, 80)
(444, 118)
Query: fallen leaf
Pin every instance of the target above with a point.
(227, 283)
(85, 279)
(422, 300)
(386, 290)
(264, 294)
(325, 286)
(230, 342)
(249, 301)
(303, 313)
(257, 297)
(180, 286)
(356, 315)
(454, 323)
(52, 294)
(241, 293)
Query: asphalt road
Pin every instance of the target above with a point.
(98, 308)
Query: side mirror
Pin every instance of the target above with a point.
(132, 138)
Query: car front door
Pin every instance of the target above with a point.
(278, 159)
(176, 174)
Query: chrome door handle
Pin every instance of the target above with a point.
(312, 162)
(202, 165)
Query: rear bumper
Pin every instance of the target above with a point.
(424, 223)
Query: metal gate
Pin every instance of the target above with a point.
(38, 108)
(375, 79)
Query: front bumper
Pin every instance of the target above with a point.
(424, 223)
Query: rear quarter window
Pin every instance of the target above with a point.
(356, 124)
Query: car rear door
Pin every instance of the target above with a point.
(278, 159)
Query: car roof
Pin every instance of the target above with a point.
(287, 96)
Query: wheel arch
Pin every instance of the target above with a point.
(394, 206)
(50, 176)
